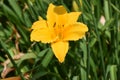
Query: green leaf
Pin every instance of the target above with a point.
(113, 72)
(26, 56)
(115, 8)
(41, 72)
(16, 8)
(47, 58)
(107, 24)
(27, 20)
(40, 55)
(9, 13)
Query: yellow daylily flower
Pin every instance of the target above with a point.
(59, 28)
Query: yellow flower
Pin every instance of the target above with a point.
(59, 28)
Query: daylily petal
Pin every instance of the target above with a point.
(56, 15)
(39, 24)
(60, 49)
(44, 35)
(59, 10)
(40, 18)
(73, 17)
(61, 19)
(74, 31)
(51, 18)
(61, 15)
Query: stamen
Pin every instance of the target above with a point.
(54, 24)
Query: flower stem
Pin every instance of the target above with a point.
(88, 58)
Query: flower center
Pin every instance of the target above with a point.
(58, 31)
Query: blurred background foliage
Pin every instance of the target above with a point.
(95, 57)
